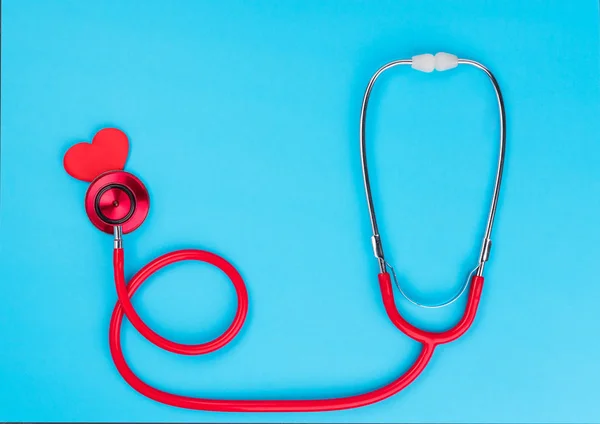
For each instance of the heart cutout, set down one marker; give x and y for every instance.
(107, 152)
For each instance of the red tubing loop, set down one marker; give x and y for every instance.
(124, 307)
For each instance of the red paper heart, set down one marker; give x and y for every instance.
(107, 152)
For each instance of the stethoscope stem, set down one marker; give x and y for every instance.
(118, 232)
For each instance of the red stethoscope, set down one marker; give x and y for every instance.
(117, 202)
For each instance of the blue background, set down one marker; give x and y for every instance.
(243, 122)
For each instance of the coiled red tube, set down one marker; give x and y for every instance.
(124, 307)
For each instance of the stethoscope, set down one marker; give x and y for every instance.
(117, 202)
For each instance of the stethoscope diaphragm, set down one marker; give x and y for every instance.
(117, 198)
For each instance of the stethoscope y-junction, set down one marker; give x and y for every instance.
(117, 202)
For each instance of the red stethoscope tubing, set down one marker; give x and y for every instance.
(124, 307)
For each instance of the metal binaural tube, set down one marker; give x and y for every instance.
(487, 241)
(376, 238)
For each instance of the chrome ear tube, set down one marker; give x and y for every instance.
(429, 63)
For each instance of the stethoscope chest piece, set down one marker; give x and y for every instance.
(117, 198)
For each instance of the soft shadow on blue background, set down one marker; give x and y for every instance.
(243, 122)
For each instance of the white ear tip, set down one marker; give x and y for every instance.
(423, 62)
(445, 61)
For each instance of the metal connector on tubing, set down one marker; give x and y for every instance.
(484, 255)
(118, 231)
(377, 248)
(485, 250)
(378, 251)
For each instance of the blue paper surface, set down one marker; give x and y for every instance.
(243, 124)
